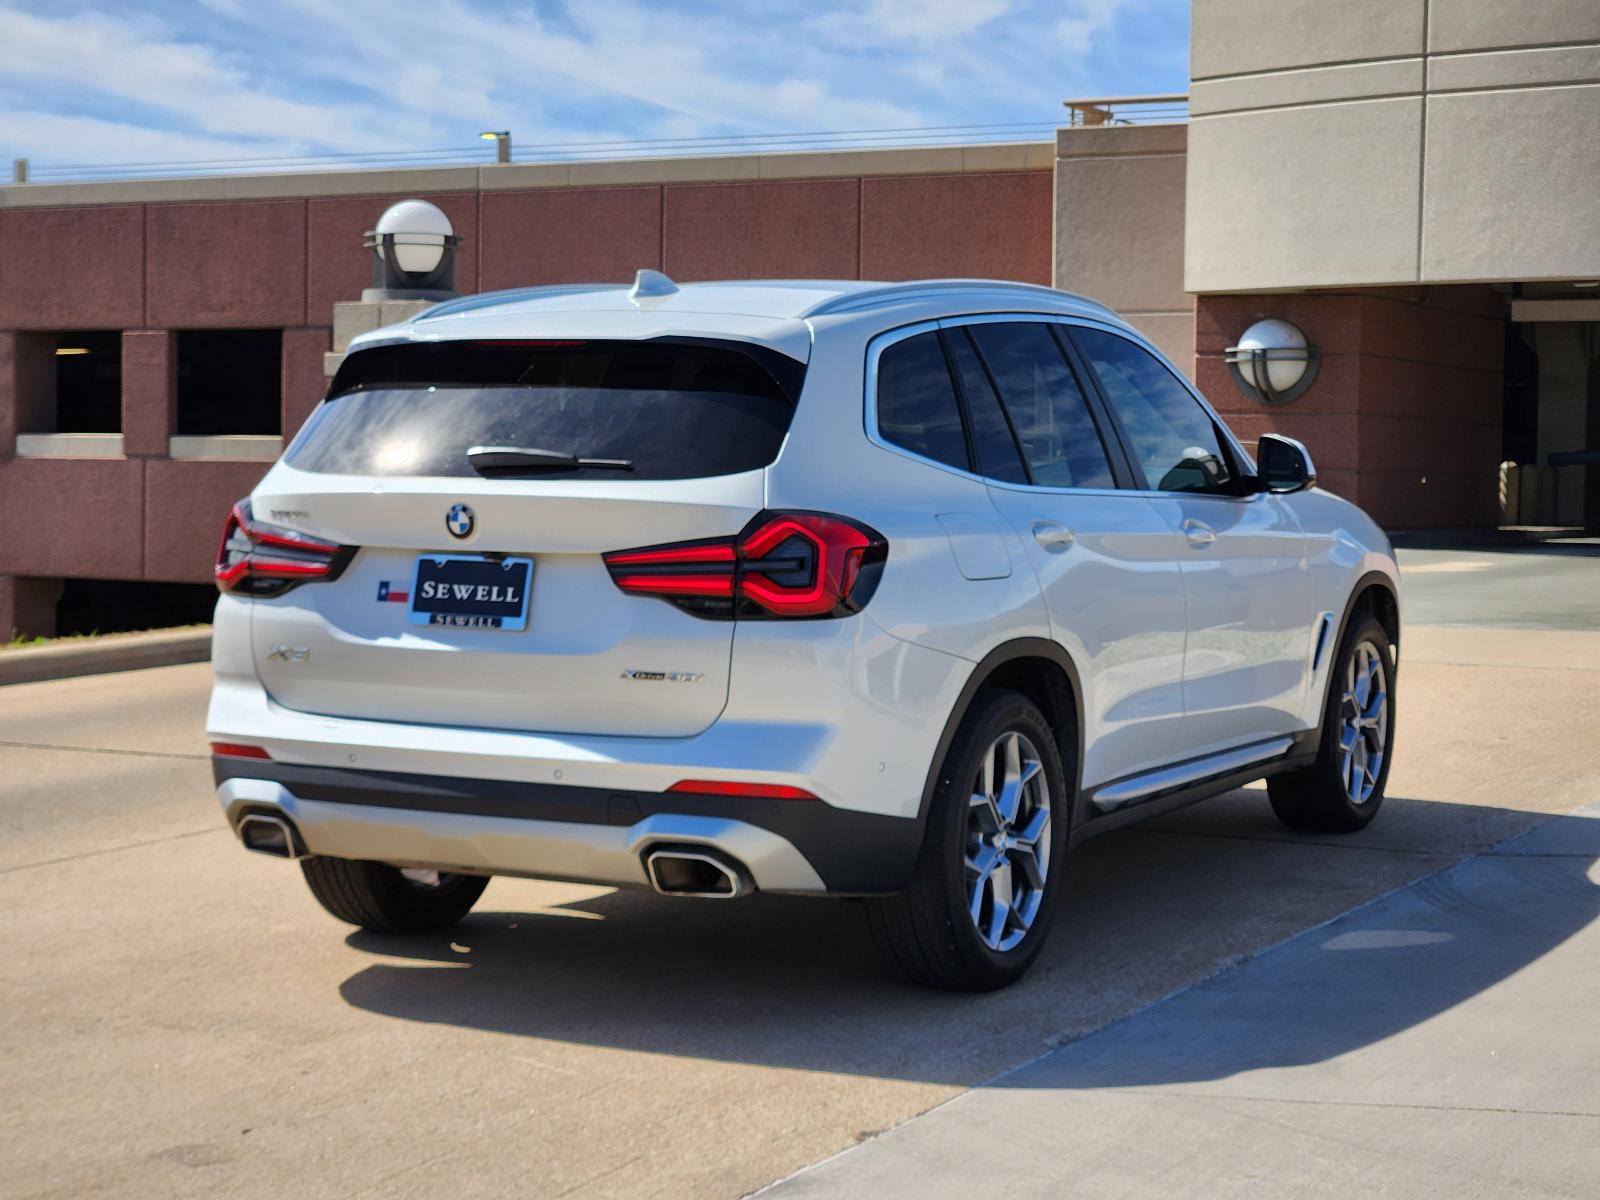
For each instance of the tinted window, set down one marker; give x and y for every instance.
(917, 407)
(998, 457)
(1172, 438)
(1046, 405)
(674, 409)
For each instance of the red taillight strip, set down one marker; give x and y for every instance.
(677, 585)
(704, 552)
(238, 750)
(750, 791)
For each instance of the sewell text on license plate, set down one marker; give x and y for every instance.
(468, 591)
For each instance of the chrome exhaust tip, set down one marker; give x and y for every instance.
(698, 872)
(266, 834)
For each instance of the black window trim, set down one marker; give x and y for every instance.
(966, 408)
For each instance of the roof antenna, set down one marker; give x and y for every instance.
(650, 285)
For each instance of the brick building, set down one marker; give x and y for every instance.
(1412, 184)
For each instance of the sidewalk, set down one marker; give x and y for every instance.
(1440, 1041)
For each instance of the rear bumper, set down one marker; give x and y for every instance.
(554, 831)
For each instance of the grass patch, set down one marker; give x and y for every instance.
(19, 642)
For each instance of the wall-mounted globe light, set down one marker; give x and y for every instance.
(413, 254)
(1273, 362)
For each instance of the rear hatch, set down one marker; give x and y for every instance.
(477, 596)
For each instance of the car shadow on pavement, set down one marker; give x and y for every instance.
(793, 982)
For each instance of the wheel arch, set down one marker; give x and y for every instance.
(1041, 670)
(1373, 593)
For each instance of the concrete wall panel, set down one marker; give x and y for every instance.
(1477, 25)
(1234, 36)
(1310, 85)
(149, 391)
(304, 383)
(185, 505)
(73, 517)
(569, 235)
(799, 229)
(1173, 334)
(1528, 210)
(1304, 197)
(1119, 221)
(72, 268)
(27, 386)
(988, 226)
(226, 266)
(338, 266)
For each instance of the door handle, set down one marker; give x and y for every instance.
(1053, 537)
(1198, 533)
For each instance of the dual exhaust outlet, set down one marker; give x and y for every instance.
(697, 871)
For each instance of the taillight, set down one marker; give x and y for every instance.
(784, 564)
(258, 559)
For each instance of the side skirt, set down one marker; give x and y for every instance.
(1301, 752)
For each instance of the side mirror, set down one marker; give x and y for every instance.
(1284, 465)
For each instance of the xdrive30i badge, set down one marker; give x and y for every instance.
(460, 521)
(663, 676)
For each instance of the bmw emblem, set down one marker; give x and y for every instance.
(461, 521)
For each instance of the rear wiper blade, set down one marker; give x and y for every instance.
(522, 460)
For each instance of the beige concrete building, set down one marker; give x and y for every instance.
(1416, 185)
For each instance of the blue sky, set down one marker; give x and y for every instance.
(197, 80)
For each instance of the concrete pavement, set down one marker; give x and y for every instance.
(178, 1018)
(1438, 1042)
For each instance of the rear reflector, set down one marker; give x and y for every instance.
(751, 791)
(238, 750)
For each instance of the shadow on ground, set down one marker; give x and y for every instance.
(789, 982)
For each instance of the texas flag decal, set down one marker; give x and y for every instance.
(393, 593)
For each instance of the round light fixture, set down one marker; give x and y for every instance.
(414, 250)
(1273, 362)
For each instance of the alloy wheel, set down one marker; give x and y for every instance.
(1007, 841)
(1363, 722)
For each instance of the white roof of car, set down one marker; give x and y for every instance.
(774, 311)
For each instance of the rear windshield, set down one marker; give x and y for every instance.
(674, 408)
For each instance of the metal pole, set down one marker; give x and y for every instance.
(502, 148)
(19, 170)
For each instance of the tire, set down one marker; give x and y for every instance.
(928, 931)
(378, 897)
(1342, 791)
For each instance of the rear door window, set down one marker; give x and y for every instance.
(1047, 407)
(670, 408)
(916, 401)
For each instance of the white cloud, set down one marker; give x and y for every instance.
(225, 78)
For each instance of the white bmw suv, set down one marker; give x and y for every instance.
(894, 591)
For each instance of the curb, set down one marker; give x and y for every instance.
(1482, 539)
(97, 656)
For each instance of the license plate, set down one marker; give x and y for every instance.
(465, 591)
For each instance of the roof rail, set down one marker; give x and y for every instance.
(449, 308)
(895, 293)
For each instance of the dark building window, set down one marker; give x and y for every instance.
(230, 381)
(88, 369)
(117, 606)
